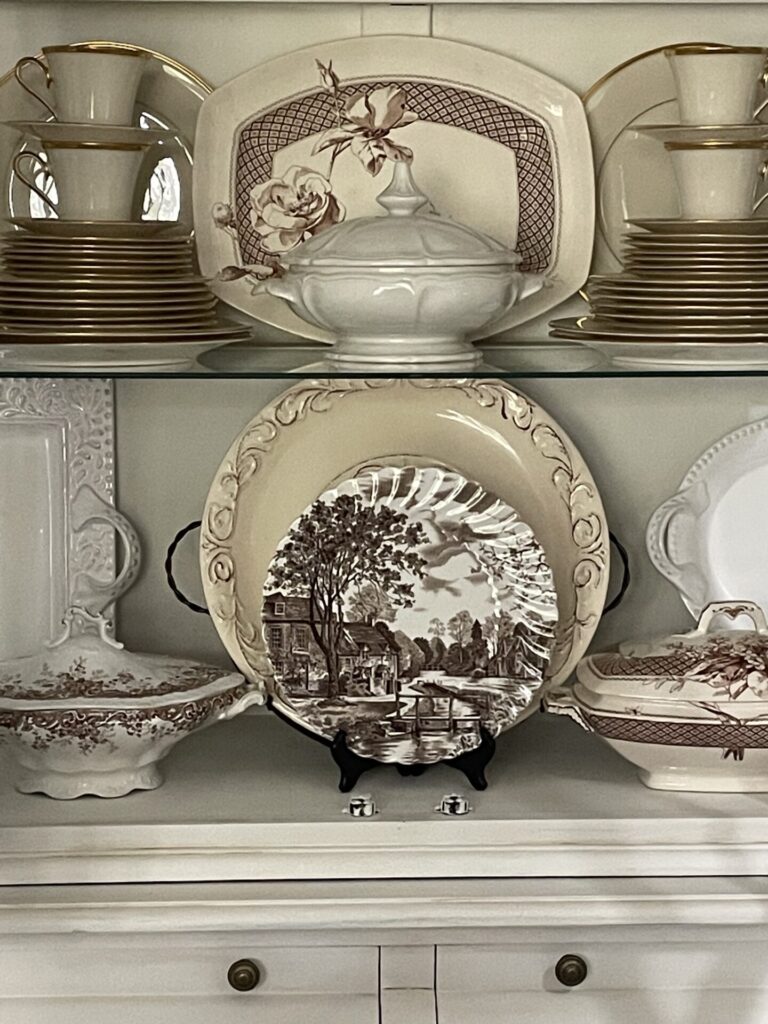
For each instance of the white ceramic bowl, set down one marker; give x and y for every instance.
(408, 287)
(85, 717)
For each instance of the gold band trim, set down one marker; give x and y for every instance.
(719, 144)
(132, 146)
(113, 49)
(692, 49)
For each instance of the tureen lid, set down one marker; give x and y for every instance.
(91, 670)
(704, 666)
(409, 236)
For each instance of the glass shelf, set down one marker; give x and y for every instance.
(521, 360)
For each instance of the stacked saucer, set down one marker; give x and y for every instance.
(695, 287)
(86, 283)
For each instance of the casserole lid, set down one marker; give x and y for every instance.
(728, 668)
(94, 671)
(411, 235)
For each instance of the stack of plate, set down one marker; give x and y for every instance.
(685, 285)
(130, 296)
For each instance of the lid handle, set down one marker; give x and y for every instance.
(402, 197)
(733, 610)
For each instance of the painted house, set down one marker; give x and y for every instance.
(368, 655)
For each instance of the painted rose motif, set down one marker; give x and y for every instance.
(286, 211)
(365, 124)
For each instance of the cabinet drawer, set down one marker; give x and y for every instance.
(665, 982)
(183, 980)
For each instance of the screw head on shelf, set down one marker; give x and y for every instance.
(571, 970)
(243, 975)
(453, 804)
(361, 807)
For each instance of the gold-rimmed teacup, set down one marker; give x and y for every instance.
(719, 179)
(719, 84)
(94, 182)
(97, 85)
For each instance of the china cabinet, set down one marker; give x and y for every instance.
(242, 889)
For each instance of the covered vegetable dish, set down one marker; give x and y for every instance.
(410, 286)
(84, 716)
(690, 711)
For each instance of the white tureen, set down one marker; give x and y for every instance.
(690, 711)
(85, 716)
(410, 287)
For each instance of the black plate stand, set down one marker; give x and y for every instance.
(473, 762)
(351, 765)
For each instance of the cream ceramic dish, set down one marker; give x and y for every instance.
(287, 150)
(410, 287)
(691, 711)
(87, 717)
(323, 432)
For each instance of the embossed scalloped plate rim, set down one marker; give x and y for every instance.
(399, 58)
(319, 430)
(708, 537)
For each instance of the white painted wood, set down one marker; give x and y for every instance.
(404, 912)
(383, 19)
(407, 967)
(399, 1006)
(560, 804)
(664, 980)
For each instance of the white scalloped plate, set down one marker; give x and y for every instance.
(708, 538)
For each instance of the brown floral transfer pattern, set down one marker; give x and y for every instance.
(734, 668)
(78, 682)
(90, 728)
(371, 111)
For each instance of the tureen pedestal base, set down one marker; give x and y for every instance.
(434, 352)
(70, 785)
(692, 781)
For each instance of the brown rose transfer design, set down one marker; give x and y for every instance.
(89, 728)
(270, 215)
(77, 682)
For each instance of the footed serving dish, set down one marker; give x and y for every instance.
(690, 712)
(408, 287)
(84, 716)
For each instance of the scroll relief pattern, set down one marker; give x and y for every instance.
(568, 477)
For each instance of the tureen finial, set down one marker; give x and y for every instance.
(402, 197)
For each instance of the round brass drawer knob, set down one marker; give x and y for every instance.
(571, 970)
(243, 975)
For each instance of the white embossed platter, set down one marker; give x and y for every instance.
(169, 97)
(708, 538)
(57, 521)
(295, 146)
(429, 451)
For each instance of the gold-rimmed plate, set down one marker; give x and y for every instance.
(157, 333)
(586, 325)
(102, 134)
(675, 225)
(122, 229)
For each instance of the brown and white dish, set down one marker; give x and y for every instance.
(470, 565)
(690, 712)
(85, 716)
(295, 146)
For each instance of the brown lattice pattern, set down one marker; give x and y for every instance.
(681, 734)
(675, 663)
(275, 129)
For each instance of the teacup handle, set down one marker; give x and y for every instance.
(17, 71)
(763, 174)
(27, 154)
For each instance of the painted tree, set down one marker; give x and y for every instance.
(341, 546)
(499, 633)
(370, 604)
(460, 628)
(437, 627)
